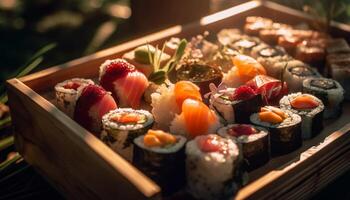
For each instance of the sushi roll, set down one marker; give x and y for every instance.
(329, 91)
(245, 44)
(92, 103)
(267, 51)
(270, 36)
(228, 36)
(245, 68)
(270, 89)
(139, 57)
(289, 43)
(310, 108)
(338, 66)
(121, 126)
(255, 24)
(170, 99)
(195, 119)
(211, 165)
(161, 156)
(254, 141)
(284, 128)
(235, 105)
(296, 73)
(312, 52)
(66, 94)
(125, 82)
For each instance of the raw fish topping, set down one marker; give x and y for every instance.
(116, 69)
(304, 102)
(72, 85)
(128, 118)
(212, 143)
(186, 90)
(241, 129)
(272, 115)
(158, 138)
(243, 93)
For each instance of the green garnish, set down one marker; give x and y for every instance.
(160, 74)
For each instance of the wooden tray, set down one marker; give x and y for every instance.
(82, 167)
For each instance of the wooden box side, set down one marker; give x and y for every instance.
(75, 160)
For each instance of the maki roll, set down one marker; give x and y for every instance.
(266, 51)
(255, 24)
(195, 119)
(92, 103)
(296, 73)
(66, 94)
(125, 82)
(310, 108)
(211, 165)
(245, 44)
(312, 52)
(161, 156)
(122, 126)
(329, 91)
(236, 105)
(339, 70)
(254, 141)
(228, 36)
(284, 128)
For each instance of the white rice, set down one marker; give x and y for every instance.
(243, 138)
(306, 115)
(66, 98)
(164, 106)
(334, 96)
(210, 173)
(224, 107)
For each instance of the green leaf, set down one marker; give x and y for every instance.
(6, 142)
(158, 77)
(3, 98)
(9, 162)
(38, 54)
(5, 122)
(30, 67)
(180, 49)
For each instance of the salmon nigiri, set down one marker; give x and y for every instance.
(124, 81)
(92, 103)
(195, 119)
(186, 90)
(245, 68)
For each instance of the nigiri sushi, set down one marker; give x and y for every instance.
(93, 102)
(195, 119)
(125, 82)
(245, 68)
(171, 99)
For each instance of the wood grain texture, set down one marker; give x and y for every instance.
(73, 158)
(81, 166)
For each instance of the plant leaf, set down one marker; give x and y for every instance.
(31, 66)
(6, 142)
(34, 58)
(158, 77)
(3, 98)
(5, 122)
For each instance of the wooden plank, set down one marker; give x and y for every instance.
(68, 154)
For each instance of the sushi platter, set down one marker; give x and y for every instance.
(247, 103)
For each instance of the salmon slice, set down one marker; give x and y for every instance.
(304, 102)
(198, 117)
(184, 90)
(248, 67)
(271, 117)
